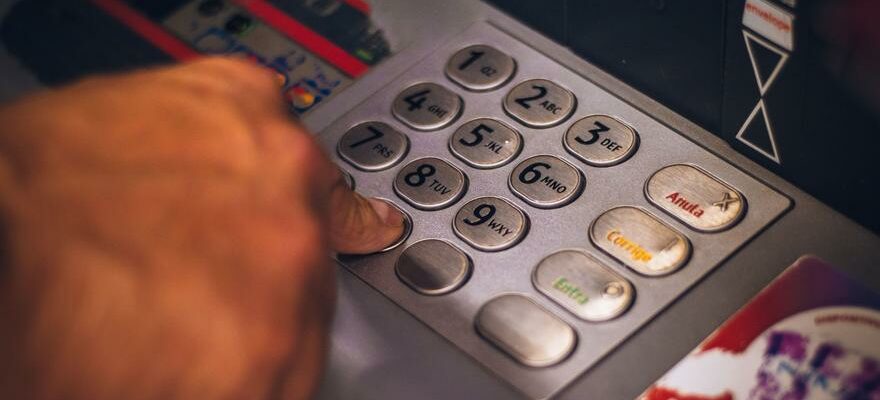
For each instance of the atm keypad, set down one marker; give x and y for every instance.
(549, 217)
(427, 106)
(480, 68)
(430, 183)
(539, 103)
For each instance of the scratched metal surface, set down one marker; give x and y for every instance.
(509, 271)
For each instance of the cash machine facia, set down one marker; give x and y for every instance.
(569, 236)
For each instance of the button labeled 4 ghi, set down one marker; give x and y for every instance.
(695, 197)
(601, 141)
(430, 183)
(427, 106)
(490, 224)
(546, 181)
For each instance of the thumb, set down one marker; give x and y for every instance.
(359, 225)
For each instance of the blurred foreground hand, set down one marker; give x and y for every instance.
(166, 235)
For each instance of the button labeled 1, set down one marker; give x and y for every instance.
(539, 103)
(490, 224)
(546, 181)
(372, 146)
(430, 183)
(582, 284)
(601, 141)
(640, 241)
(485, 143)
(427, 106)
(480, 68)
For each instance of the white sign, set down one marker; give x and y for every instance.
(770, 21)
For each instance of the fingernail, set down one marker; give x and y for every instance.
(389, 214)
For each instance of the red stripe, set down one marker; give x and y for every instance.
(306, 37)
(359, 5)
(147, 29)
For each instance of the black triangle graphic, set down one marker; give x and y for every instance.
(756, 133)
(766, 60)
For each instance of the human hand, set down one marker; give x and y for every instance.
(167, 235)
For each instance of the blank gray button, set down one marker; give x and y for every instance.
(640, 241)
(485, 143)
(372, 146)
(539, 103)
(427, 106)
(525, 330)
(546, 181)
(430, 183)
(695, 197)
(601, 141)
(480, 68)
(433, 267)
(583, 285)
(490, 224)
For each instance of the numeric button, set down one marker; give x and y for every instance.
(372, 146)
(427, 106)
(601, 141)
(430, 183)
(539, 103)
(485, 143)
(480, 68)
(546, 181)
(490, 224)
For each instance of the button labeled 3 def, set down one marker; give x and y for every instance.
(640, 241)
(695, 197)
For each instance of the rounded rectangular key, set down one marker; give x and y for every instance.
(526, 331)
(480, 68)
(372, 146)
(583, 285)
(485, 143)
(430, 183)
(640, 241)
(546, 181)
(601, 141)
(695, 198)
(427, 106)
(539, 103)
(490, 224)
(433, 267)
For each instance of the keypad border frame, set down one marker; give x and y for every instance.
(454, 320)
